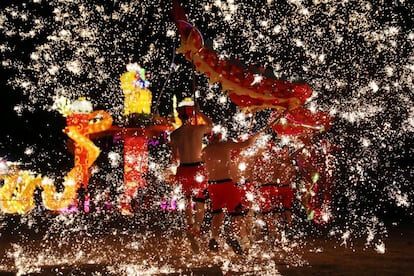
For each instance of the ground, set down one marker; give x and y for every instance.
(153, 244)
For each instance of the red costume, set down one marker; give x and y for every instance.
(247, 188)
(192, 177)
(273, 197)
(224, 193)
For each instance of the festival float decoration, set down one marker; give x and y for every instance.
(81, 122)
(139, 128)
(16, 194)
(137, 96)
(137, 108)
(251, 92)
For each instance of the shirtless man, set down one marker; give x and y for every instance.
(186, 146)
(274, 175)
(223, 191)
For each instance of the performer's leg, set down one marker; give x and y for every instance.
(199, 211)
(189, 212)
(216, 223)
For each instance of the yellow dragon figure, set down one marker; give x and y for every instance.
(98, 121)
(16, 194)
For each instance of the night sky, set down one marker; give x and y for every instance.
(356, 55)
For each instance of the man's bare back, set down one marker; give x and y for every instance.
(217, 157)
(186, 142)
(243, 164)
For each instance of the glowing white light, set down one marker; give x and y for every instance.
(305, 11)
(380, 248)
(170, 33)
(262, 141)
(181, 205)
(4, 169)
(240, 116)
(250, 196)
(47, 181)
(70, 182)
(242, 166)
(257, 79)
(260, 222)
(28, 151)
(285, 140)
(277, 29)
(365, 142)
(133, 67)
(244, 136)
(313, 107)
(232, 6)
(74, 66)
(177, 190)
(94, 169)
(263, 23)
(401, 200)
(326, 216)
(64, 33)
(81, 106)
(199, 178)
(53, 70)
(345, 237)
(374, 86)
(321, 58)
(173, 169)
(223, 99)
(228, 17)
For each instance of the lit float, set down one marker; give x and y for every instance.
(83, 126)
(17, 192)
(139, 127)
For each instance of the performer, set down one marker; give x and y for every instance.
(222, 190)
(186, 146)
(81, 198)
(242, 166)
(275, 175)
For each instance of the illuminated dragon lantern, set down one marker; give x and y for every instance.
(249, 91)
(16, 194)
(253, 92)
